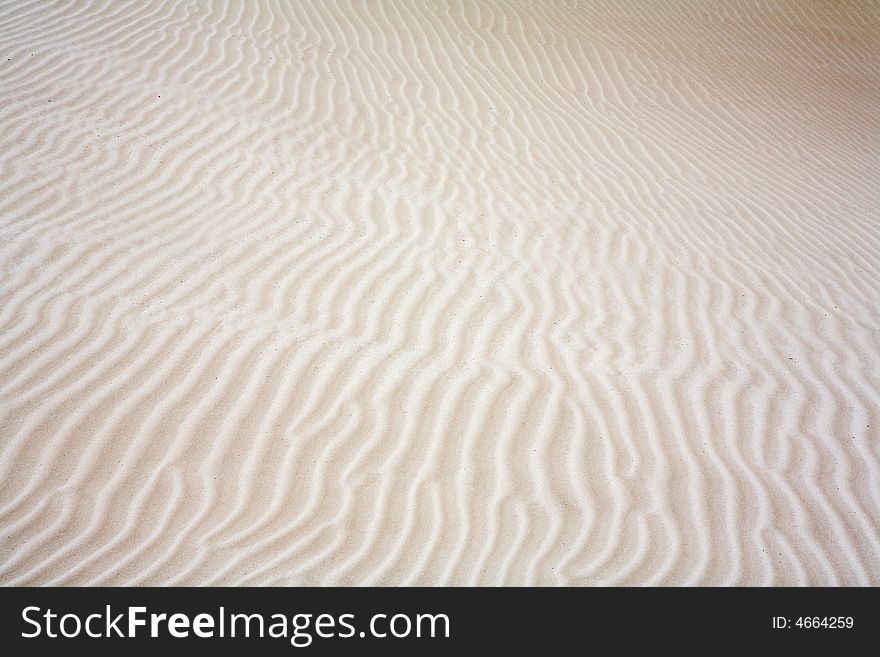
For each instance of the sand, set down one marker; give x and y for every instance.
(421, 293)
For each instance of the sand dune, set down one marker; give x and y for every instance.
(439, 293)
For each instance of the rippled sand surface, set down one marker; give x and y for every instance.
(439, 292)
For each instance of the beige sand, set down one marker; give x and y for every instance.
(440, 293)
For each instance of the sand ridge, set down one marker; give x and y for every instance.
(439, 293)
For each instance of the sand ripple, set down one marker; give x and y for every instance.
(439, 293)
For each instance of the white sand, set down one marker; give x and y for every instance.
(439, 293)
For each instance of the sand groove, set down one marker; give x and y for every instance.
(439, 293)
